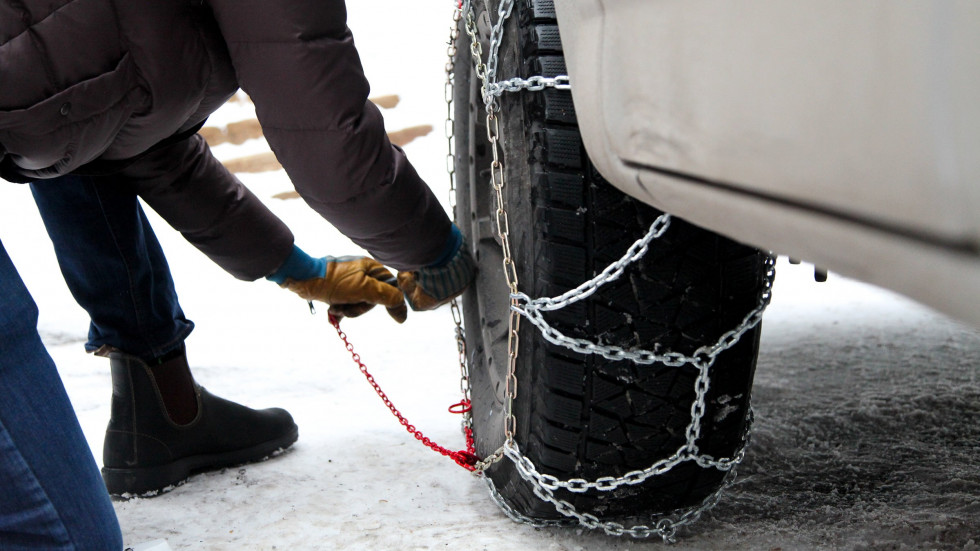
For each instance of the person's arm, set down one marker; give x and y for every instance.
(297, 61)
(194, 193)
(215, 212)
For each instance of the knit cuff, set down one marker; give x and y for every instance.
(299, 266)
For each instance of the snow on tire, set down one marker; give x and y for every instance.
(582, 416)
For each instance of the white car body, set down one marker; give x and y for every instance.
(842, 132)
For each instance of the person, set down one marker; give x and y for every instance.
(106, 97)
(162, 424)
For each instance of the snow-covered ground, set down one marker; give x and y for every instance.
(868, 405)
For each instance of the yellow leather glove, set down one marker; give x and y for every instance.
(352, 285)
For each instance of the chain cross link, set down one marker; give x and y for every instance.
(533, 84)
(611, 273)
(666, 524)
(532, 309)
(504, 9)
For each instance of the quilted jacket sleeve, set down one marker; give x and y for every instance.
(297, 61)
(211, 208)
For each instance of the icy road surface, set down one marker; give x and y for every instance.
(868, 406)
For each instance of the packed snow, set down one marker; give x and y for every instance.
(868, 405)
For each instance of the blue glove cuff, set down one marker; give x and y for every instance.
(299, 266)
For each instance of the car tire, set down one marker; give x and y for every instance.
(577, 415)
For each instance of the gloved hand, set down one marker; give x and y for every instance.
(430, 287)
(352, 285)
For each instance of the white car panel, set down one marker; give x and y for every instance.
(847, 132)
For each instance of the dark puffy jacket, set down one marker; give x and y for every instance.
(108, 86)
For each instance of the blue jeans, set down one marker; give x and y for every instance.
(113, 264)
(51, 493)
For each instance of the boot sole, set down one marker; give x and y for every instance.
(149, 481)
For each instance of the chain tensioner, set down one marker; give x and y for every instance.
(464, 458)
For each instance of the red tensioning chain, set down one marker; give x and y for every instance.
(464, 458)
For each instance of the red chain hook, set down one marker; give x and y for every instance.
(464, 458)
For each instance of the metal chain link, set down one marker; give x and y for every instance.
(533, 84)
(611, 273)
(666, 524)
(521, 305)
(608, 483)
(532, 309)
(498, 180)
(450, 130)
(516, 515)
(504, 9)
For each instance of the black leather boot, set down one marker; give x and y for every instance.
(164, 426)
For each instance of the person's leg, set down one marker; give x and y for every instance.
(163, 425)
(51, 495)
(116, 270)
(113, 265)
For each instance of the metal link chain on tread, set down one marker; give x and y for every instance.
(533, 84)
(665, 526)
(544, 485)
(702, 357)
(516, 515)
(632, 478)
(504, 9)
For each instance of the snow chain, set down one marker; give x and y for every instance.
(544, 485)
